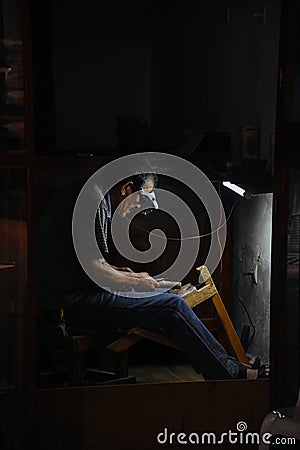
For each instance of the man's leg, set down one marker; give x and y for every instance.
(168, 311)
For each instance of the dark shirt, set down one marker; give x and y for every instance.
(61, 279)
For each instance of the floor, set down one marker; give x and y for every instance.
(170, 373)
(150, 362)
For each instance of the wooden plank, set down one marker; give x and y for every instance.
(6, 266)
(161, 338)
(129, 417)
(230, 330)
(201, 295)
(123, 343)
(225, 319)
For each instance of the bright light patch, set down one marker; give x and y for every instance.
(234, 188)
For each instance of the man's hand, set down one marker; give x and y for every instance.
(120, 280)
(145, 283)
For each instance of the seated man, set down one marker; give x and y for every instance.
(63, 283)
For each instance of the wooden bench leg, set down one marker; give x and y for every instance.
(121, 364)
(79, 371)
(78, 368)
(224, 317)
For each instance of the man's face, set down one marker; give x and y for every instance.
(149, 186)
(129, 202)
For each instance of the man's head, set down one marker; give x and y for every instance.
(130, 192)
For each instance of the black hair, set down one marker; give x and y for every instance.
(140, 181)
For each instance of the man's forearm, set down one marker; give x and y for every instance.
(109, 276)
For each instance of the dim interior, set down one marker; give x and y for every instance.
(213, 83)
(146, 77)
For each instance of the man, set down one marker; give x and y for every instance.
(63, 283)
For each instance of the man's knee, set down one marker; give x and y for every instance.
(176, 302)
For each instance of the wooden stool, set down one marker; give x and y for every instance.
(75, 345)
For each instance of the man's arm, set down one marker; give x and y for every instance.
(109, 276)
(121, 269)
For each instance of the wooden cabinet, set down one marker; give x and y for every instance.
(12, 104)
(16, 292)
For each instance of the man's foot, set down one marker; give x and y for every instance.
(255, 363)
(263, 371)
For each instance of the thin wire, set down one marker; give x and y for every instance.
(247, 313)
(190, 237)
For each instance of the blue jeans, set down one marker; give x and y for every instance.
(99, 309)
